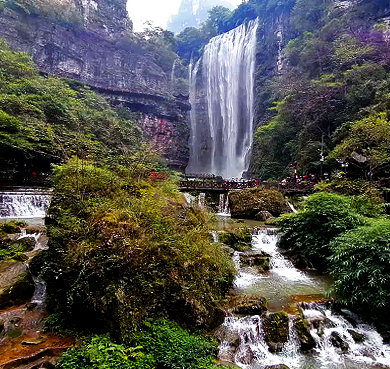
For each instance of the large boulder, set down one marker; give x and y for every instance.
(259, 260)
(250, 202)
(249, 305)
(16, 284)
(276, 328)
(239, 239)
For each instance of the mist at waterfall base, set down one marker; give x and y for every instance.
(245, 343)
(222, 146)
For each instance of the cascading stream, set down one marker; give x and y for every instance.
(228, 73)
(341, 339)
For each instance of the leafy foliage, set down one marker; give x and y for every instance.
(48, 120)
(360, 264)
(175, 348)
(367, 144)
(324, 216)
(101, 353)
(335, 72)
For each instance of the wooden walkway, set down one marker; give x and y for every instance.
(208, 185)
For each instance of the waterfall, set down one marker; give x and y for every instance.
(173, 73)
(195, 162)
(40, 291)
(223, 206)
(223, 147)
(27, 203)
(202, 200)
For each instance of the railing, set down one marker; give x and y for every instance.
(214, 185)
(240, 185)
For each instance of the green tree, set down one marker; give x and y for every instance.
(367, 144)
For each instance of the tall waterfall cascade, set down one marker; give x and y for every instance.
(223, 147)
(24, 203)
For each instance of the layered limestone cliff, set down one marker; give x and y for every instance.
(91, 42)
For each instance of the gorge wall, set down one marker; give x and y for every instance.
(91, 41)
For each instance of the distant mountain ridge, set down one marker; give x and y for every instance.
(192, 13)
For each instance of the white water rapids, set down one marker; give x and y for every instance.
(341, 339)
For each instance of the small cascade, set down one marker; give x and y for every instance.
(343, 340)
(252, 350)
(202, 200)
(279, 264)
(173, 72)
(214, 235)
(292, 208)
(223, 206)
(40, 291)
(24, 204)
(190, 200)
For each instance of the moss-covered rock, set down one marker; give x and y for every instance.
(278, 366)
(259, 260)
(298, 259)
(276, 330)
(249, 305)
(357, 337)
(305, 338)
(237, 238)
(17, 289)
(247, 203)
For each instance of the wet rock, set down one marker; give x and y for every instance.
(260, 260)
(337, 341)
(357, 337)
(1, 325)
(24, 244)
(239, 239)
(245, 356)
(276, 330)
(250, 305)
(279, 366)
(20, 257)
(16, 320)
(18, 289)
(230, 251)
(263, 215)
(297, 258)
(31, 305)
(305, 338)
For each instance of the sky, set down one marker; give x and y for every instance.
(156, 11)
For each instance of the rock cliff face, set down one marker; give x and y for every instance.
(95, 48)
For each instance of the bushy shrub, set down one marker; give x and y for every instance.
(324, 216)
(100, 353)
(123, 249)
(174, 348)
(360, 264)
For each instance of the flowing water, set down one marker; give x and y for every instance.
(228, 74)
(223, 206)
(283, 280)
(341, 339)
(24, 203)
